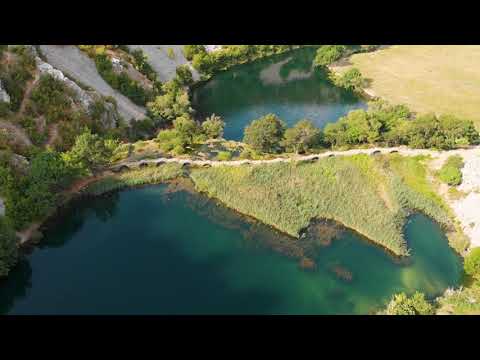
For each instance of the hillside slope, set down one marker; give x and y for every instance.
(73, 62)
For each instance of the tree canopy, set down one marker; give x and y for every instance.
(265, 134)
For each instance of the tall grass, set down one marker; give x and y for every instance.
(149, 175)
(372, 195)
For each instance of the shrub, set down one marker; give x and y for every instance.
(401, 304)
(224, 156)
(213, 127)
(451, 172)
(472, 263)
(184, 75)
(328, 54)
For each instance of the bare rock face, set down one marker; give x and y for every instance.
(4, 97)
(85, 98)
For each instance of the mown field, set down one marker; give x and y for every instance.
(372, 195)
(427, 78)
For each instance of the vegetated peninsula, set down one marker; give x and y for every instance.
(372, 195)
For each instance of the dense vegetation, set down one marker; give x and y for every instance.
(15, 75)
(209, 64)
(186, 132)
(33, 195)
(401, 304)
(289, 196)
(382, 124)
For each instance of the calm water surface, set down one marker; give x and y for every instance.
(151, 251)
(285, 85)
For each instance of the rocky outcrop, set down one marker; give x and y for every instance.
(4, 97)
(72, 61)
(86, 99)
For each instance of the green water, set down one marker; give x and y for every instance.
(284, 85)
(150, 251)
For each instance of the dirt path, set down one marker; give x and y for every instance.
(31, 84)
(52, 135)
(18, 133)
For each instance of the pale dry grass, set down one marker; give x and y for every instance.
(428, 78)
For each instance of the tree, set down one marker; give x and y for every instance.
(327, 54)
(8, 248)
(472, 263)
(174, 103)
(184, 75)
(90, 153)
(191, 50)
(401, 304)
(213, 126)
(186, 129)
(351, 79)
(303, 136)
(265, 134)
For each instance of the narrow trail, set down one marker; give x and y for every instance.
(52, 135)
(440, 155)
(18, 132)
(31, 84)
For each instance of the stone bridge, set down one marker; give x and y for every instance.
(405, 151)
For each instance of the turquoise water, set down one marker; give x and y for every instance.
(284, 85)
(151, 251)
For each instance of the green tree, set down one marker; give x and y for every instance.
(327, 54)
(301, 137)
(186, 129)
(184, 75)
(174, 103)
(472, 263)
(265, 134)
(401, 304)
(213, 127)
(191, 50)
(351, 79)
(90, 153)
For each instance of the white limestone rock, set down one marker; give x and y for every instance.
(4, 97)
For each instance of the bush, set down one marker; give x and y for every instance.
(451, 171)
(213, 127)
(401, 304)
(328, 54)
(472, 263)
(224, 156)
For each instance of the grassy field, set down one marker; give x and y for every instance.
(427, 78)
(288, 196)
